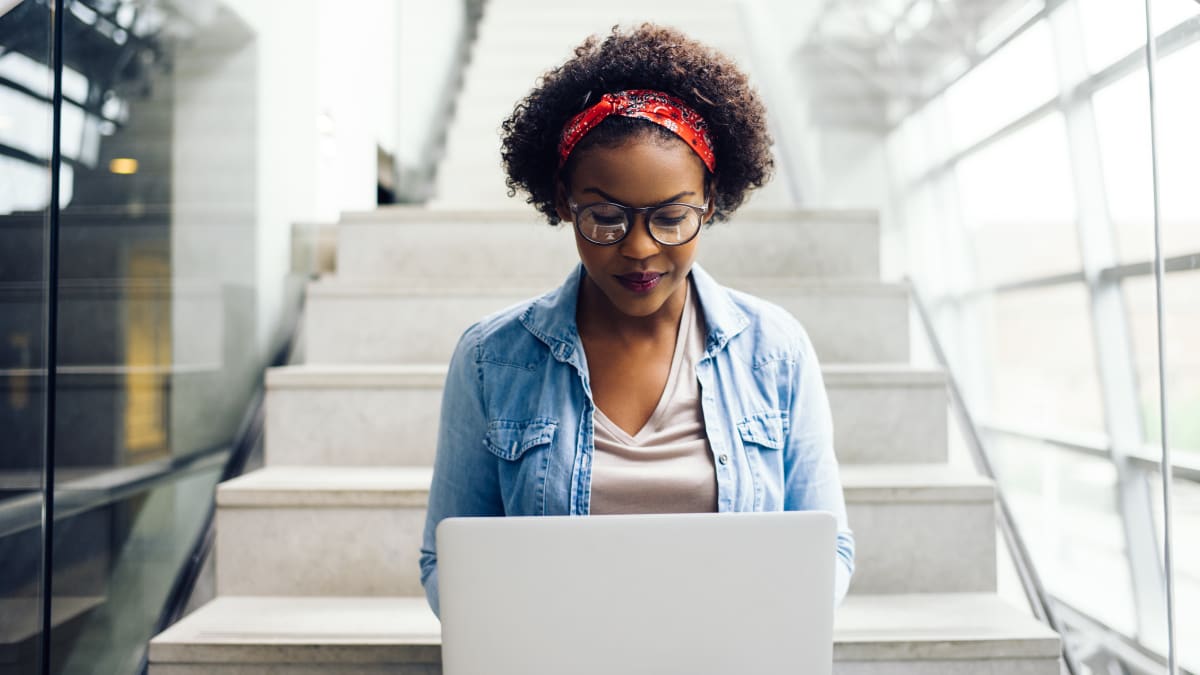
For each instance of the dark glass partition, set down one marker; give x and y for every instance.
(26, 90)
(159, 327)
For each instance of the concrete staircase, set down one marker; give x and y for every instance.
(316, 554)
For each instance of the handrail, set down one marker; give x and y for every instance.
(1035, 592)
(103, 488)
(1130, 652)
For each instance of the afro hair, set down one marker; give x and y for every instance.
(646, 57)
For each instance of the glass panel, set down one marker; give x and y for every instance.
(163, 316)
(1020, 215)
(1015, 80)
(1170, 13)
(25, 138)
(1039, 349)
(1123, 128)
(1113, 30)
(1122, 123)
(117, 562)
(1178, 100)
(1182, 323)
(1185, 547)
(1065, 507)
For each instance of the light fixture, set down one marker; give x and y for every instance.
(123, 165)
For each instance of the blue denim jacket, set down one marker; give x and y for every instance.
(516, 435)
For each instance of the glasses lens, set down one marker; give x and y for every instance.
(602, 223)
(674, 223)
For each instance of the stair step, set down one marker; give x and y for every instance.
(888, 413)
(316, 530)
(321, 531)
(387, 414)
(920, 528)
(357, 322)
(453, 248)
(929, 634)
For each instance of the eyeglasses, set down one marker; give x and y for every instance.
(606, 223)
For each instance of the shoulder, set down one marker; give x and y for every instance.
(501, 337)
(770, 332)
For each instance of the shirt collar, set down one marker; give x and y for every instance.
(551, 318)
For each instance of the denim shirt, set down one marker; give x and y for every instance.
(516, 430)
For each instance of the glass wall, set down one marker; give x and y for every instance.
(207, 147)
(1035, 169)
(158, 302)
(26, 127)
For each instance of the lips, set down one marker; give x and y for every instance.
(640, 282)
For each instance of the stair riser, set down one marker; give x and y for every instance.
(897, 424)
(954, 667)
(470, 255)
(902, 547)
(865, 327)
(398, 426)
(975, 667)
(923, 547)
(319, 550)
(352, 427)
(314, 668)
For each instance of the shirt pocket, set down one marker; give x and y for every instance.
(523, 448)
(510, 440)
(762, 436)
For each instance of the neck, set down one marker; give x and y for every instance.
(596, 316)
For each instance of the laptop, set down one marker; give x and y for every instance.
(694, 594)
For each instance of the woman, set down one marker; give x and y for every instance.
(640, 385)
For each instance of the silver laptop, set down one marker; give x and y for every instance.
(693, 594)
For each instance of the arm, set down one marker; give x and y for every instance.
(464, 474)
(810, 465)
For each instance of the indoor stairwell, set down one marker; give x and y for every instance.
(316, 554)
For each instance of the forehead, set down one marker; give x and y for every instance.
(639, 171)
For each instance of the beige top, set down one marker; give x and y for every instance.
(667, 467)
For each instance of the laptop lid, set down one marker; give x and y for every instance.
(688, 593)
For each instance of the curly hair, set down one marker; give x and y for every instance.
(646, 57)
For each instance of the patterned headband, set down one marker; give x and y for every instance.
(662, 109)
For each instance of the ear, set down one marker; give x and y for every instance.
(560, 203)
(712, 202)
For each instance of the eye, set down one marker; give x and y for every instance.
(604, 215)
(673, 216)
(609, 220)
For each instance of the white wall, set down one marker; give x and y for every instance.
(334, 80)
(326, 97)
(426, 46)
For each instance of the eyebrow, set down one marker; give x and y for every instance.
(610, 198)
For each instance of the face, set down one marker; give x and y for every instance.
(637, 277)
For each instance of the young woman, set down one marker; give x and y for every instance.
(640, 385)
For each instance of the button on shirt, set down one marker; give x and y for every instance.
(517, 433)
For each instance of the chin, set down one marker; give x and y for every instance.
(638, 306)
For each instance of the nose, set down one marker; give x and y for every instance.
(638, 244)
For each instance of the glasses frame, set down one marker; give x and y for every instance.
(630, 218)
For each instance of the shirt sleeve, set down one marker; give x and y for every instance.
(465, 480)
(811, 480)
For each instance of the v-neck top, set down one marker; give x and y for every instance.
(667, 466)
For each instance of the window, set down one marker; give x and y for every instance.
(1018, 204)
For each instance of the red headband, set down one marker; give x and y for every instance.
(662, 109)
